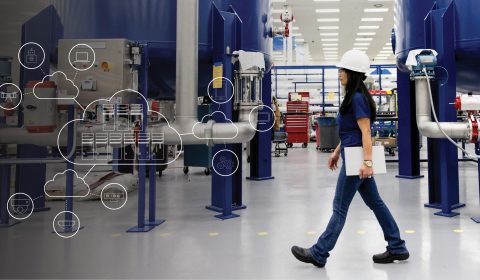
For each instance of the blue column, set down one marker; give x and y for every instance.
(408, 138)
(443, 181)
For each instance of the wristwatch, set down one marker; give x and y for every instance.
(368, 163)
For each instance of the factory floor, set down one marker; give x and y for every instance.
(291, 210)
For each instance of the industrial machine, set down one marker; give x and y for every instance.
(448, 27)
(101, 90)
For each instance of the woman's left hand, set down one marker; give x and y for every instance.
(365, 172)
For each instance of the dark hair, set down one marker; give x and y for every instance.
(355, 84)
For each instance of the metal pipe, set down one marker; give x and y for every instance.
(187, 88)
(187, 65)
(429, 128)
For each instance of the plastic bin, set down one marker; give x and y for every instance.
(327, 133)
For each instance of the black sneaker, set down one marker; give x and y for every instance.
(304, 255)
(388, 257)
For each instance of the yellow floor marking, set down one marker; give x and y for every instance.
(262, 233)
(361, 232)
(212, 234)
(458, 230)
(409, 231)
(311, 232)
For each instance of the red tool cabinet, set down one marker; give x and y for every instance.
(297, 123)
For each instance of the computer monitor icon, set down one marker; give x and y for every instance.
(81, 57)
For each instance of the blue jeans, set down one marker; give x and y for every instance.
(347, 186)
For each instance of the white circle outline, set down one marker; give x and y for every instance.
(208, 90)
(274, 118)
(70, 61)
(21, 96)
(8, 210)
(20, 50)
(118, 208)
(54, 229)
(213, 165)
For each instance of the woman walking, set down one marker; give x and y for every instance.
(357, 112)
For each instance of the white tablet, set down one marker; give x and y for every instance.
(354, 160)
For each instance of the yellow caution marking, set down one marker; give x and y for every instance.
(213, 234)
(311, 232)
(262, 233)
(116, 235)
(458, 230)
(361, 232)
(409, 231)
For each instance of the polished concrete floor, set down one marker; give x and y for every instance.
(292, 209)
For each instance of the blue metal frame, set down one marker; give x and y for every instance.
(443, 180)
(69, 175)
(142, 224)
(226, 190)
(309, 67)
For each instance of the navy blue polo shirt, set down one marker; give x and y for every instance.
(348, 129)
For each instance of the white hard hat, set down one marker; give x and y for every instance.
(355, 60)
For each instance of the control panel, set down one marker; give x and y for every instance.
(98, 68)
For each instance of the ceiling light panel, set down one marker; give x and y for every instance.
(328, 27)
(322, 11)
(372, 19)
(328, 19)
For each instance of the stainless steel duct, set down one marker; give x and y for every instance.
(429, 128)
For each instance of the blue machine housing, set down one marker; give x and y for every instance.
(154, 21)
(410, 33)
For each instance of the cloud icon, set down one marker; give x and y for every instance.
(221, 114)
(66, 88)
(118, 130)
(58, 183)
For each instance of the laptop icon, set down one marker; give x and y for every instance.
(81, 57)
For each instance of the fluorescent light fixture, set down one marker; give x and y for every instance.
(276, 11)
(388, 44)
(363, 39)
(329, 34)
(299, 40)
(375, 10)
(330, 49)
(329, 39)
(369, 27)
(330, 44)
(321, 11)
(360, 48)
(328, 28)
(331, 52)
(326, 0)
(277, 20)
(372, 19)
(366, 34)
(361, 44)
(328, 19)
(297, 34)
(294, 28)
(388, 48)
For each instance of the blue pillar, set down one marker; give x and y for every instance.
(443, 183)
(408, 137)
(141, 226)
(261, 145)
(226, 190)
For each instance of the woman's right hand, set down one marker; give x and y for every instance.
(333, 160)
